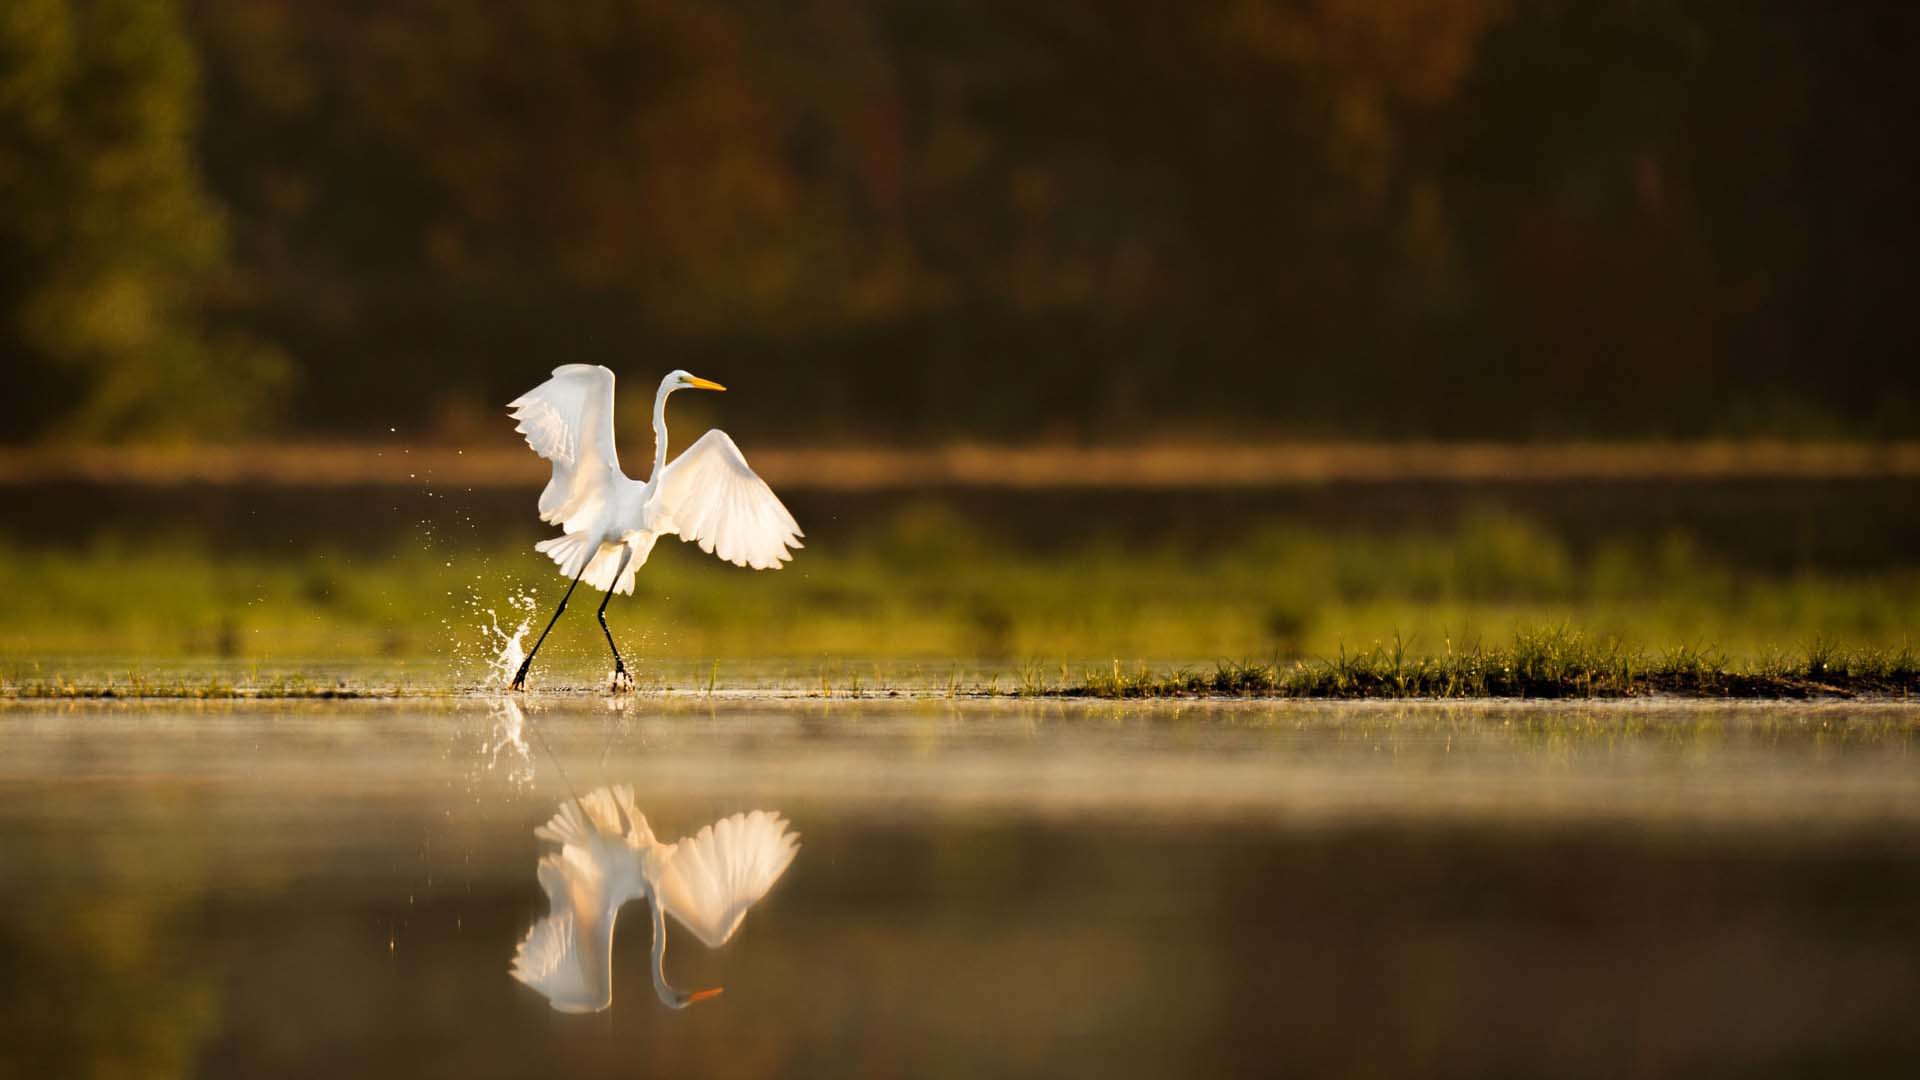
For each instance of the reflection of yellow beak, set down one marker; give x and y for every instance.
(699, 383)
(702, 995)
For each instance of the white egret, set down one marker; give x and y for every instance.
(608, 855)
(709, 495)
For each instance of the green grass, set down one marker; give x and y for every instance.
(1555, 663)
(1546, 664)
(141, 686)
(931, 586)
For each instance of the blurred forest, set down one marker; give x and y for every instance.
(907, 220)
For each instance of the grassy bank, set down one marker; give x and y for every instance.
(1545, 664)
(1556, 663)
(932, 584)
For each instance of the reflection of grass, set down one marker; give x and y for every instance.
(934, 585)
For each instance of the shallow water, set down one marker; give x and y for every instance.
(983, 888)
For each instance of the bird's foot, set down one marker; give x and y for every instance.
(520, 677)
(619, 682)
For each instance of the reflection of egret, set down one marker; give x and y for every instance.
(709, 495)
(608, 855)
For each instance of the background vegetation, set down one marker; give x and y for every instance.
(933, 221)
(934, 590)
(914, 220)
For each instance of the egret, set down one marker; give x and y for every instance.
(709, 495)
(608, 855)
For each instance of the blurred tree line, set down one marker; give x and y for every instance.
(910, 219)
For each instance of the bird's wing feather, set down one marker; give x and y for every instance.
(549, 961)
(568, 956)
(569, 421)
(714, 876)
(710, 495)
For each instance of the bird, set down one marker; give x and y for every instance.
(608, 855)
(609, 522)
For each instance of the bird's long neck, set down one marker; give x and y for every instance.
(668, 995)
(660, 431)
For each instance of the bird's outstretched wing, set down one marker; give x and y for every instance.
(569, 421)
(711, 496)
(568, 956)
(715, 875)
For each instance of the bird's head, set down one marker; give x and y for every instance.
(683, 998)
(687, 380)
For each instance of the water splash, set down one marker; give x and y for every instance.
(512, 653)
(506, 648)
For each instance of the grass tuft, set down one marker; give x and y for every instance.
(1556, 662)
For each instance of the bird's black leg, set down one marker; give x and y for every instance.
(520, 678)
(619, 665)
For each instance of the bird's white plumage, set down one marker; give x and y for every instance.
(712, 497)
(709, 495)
(608, 855)
(545, 961)
(568, 956)
(601, 816)
(569, 421)
(713, 877)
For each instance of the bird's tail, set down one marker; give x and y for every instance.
(573, 551)
(601, 571)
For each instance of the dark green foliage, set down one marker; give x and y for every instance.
(109, 248)
(928, 219)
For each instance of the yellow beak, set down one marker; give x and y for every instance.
(699, 383)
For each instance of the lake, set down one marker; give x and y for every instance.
(983, 887)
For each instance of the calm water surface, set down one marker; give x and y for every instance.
(324, 889)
